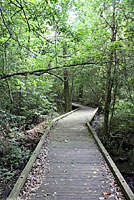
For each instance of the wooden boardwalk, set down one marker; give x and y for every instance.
(76, 167)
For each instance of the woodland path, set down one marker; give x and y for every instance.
(77, 170)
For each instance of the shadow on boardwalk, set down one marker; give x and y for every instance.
(76, 168)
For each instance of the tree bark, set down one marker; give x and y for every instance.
(107, 100)
(67, 97)
(81, 93)
(67, 94)
(109, 82)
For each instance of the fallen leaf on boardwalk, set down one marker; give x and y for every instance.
(65, 150)
(106, 193)
(82, 127)
(45, 195)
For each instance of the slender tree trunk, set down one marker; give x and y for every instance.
(115, 88)
(4, 58)
(56, 61)
(9, 92)
(107, 100)
(4, 66)
(67, 95)
(109, 81)
(81, 93)
(113, 104)
(71, 90)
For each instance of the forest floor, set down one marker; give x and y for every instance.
(70, 165)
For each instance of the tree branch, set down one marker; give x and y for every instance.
(22, 8)
(106, 20)
(55, 76)
(16, 4)
(3, 18)
(43, 37)
(4, 21)
(29, 28)
(49, 64)
(43, 71)
(15, 13)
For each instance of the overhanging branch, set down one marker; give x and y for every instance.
(57, 76)
(43, 71)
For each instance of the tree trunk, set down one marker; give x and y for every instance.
(81, 93)
(67, 97)
(109, 82)
(107, 100)
(67, 94)
(4, 68)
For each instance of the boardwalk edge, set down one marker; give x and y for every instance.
(24, 174)
(121, 181)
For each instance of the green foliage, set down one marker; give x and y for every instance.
(32, 36)
(124, 116)
(5, 116)
(124, 107)
(12, 157)
(115, 45)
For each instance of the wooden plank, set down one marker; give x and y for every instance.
(75, 166)
(21, 180)
(123, 184)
